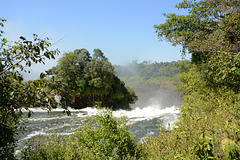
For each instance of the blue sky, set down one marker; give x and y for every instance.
(122, 29)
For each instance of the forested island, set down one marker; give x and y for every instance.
(83, 80)
(209, 122)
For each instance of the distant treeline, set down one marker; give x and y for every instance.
(147, 69)
(146, 73)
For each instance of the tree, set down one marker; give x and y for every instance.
(87, 80)
(14, 93)
(211, 33)
(99, 73)
(210, 26)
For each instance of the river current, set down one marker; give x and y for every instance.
(144, 121)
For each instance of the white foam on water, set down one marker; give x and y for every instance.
(89, 110)
(46, 119)
(135, 115)
(62, 126)
(44, 109)
(38, 133)
(62, 109)
(146, 113)
(33, 134)
(138, 114)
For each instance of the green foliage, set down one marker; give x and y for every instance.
(210, 26)
(102, 136)
(230, 149)
(86, 80)
(204, 148)
(223, 70)
(146, 74)
(16, 94)
(149, 70)
(209, 126)
(209, 118)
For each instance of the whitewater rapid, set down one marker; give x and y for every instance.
(41, 122)
(139, 114)
(143, 121)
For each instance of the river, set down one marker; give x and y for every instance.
(144, 121)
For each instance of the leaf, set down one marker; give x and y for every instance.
(22, 38)
(42, 75)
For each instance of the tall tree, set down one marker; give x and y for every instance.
(211, 33)
(70, 69)
(15, 94)
(210, 26)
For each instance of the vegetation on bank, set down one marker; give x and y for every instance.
(209, 125)
(14, 93)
